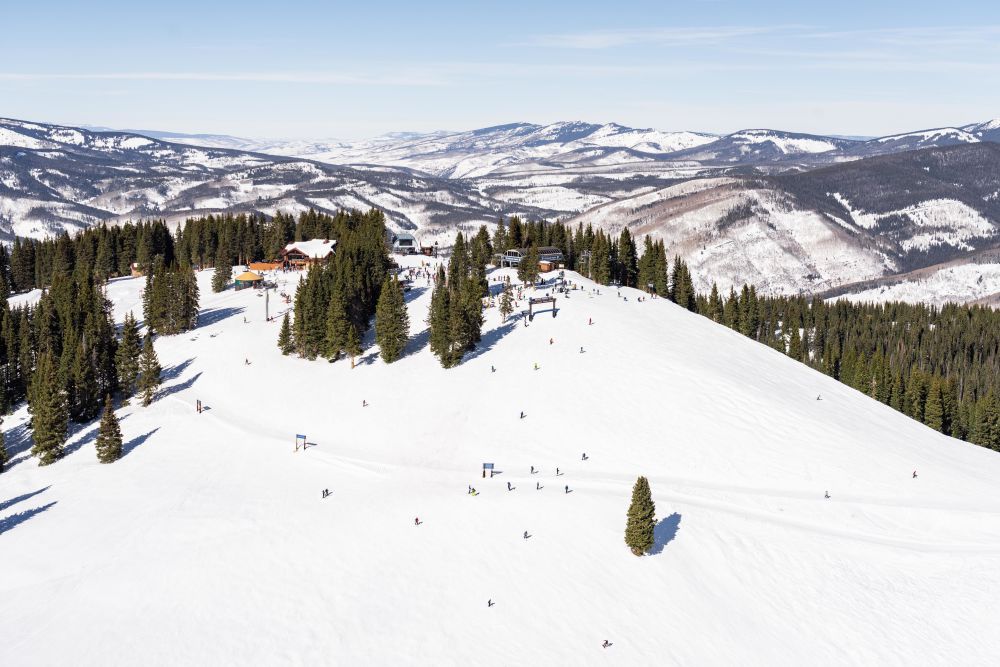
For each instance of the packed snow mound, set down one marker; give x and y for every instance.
(210, 541)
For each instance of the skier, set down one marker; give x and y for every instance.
(589, 321)
(470, 489)
(364, 403)
(532, 470)
(606, 644)
(508, 486)
(826, 494)
(581, 349)
(493, 369)
(914, 474)
(525, 534)
(489, 603)
(551, 340)
(538, 486)
(818, 397)
(522, 414)
(584, 457)
(567, 488)
(536, 365)
(557, 472)
(416, 521)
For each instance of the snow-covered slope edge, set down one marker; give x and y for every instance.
(209, 541)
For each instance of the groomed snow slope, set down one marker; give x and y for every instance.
(209, 542)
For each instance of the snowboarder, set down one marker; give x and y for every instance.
(914, 474)
(826, 494)
(818, 397)
(606, 644)
(246, 362)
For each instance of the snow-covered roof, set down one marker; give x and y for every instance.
(315, 249)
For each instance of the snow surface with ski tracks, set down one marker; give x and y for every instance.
(210, 543)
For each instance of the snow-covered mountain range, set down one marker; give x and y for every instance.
(789, 212)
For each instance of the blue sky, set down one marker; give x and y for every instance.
(351, 70)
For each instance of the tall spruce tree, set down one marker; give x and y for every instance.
(392, 322)
(352, 343)
(109, 435)
(506, 303)
(220, 277)
(440, 320)
(49, 411)
(641, 519)
(4, 458)
(285, 343)
(149, 369)
(127, 357)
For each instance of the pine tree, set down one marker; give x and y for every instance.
(4, 458)
(285, 343)
(109, 435)
(337, 324)
(149, 369)
(440, 320)
(220, 277)
(127, 357)
(641, 518)
(392, 322)
(934, 407)
(506, 303)
(49, 412)
(352, 343)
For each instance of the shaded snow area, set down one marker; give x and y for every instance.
(210, 543)
(954, 284)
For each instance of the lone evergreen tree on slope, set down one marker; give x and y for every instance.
(641, 519)
(149, 367)
(109, 436)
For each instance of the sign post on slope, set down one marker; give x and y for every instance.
(488, 466)
(300, 439)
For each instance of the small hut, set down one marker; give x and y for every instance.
(248, 279)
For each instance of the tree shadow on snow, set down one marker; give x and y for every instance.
(180, 386)
(413, 293)
(210, 316)
(174, 372)
(664, 532)
(24, 496)
(417, 343)
(19, 442)
(490, 340)
(137, 441)
(13, 520)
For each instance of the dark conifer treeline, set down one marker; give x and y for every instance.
(937, 365)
